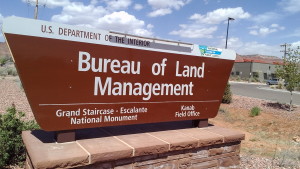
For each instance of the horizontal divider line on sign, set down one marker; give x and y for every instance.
(70, 104)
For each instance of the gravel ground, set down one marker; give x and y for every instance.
(257, 162)
(254, 162)
(11, 93)
(267, 106)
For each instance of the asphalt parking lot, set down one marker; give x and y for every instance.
(263, 91)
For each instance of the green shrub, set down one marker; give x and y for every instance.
(3, 60)
(280, 86)
(221, 110)
(12, 71)
(227, 97)
(255, 111)
(12, 149)
(255, 79)
(8, 71)
(3, 71)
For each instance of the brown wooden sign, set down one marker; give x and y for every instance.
(82, 78)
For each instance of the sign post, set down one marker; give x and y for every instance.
(78, 78)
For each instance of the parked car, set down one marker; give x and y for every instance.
(273, 81)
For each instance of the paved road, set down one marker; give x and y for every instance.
(262, 92)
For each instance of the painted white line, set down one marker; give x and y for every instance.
(72, 104)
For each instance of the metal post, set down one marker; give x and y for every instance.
(36, 11)
(227, 30)
(227, 33)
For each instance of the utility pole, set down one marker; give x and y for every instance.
(36, 11)
(285, 52)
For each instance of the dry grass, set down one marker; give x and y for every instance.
(270, 134)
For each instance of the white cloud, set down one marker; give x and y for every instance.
(206, 2)
(138, 7)
(219, 15)
(194, 31)
(277, 26)
(177, 4)
(295, 33)
(76, 13)
(201, 26)
(1, 21)
(266, 17)
(112, 5)
(253, 32)
(295, 44)
(264, 31)
(259, 48)
(250, 48)
(292, 6)
(142, 32)
(254, 27)
(94, 2)
(122, 21)
(232, 43)
(1, 18)
(49, 3)
(117, 4)
(160, 12)
(150, 26)
(164, 7)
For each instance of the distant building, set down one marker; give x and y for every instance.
(259, 67)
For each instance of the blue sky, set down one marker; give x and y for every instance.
(260, 26)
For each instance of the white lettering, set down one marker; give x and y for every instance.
(190, 71)
(137, 89)
(84, 61)
(98, 84)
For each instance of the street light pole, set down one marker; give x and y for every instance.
(36, 10)
(227, 30)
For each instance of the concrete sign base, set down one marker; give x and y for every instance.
(167, 145)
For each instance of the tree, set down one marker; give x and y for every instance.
(290, 71)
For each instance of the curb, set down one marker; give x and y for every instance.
(278, 90)
(252, 83)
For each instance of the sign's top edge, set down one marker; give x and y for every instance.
(45, 29)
